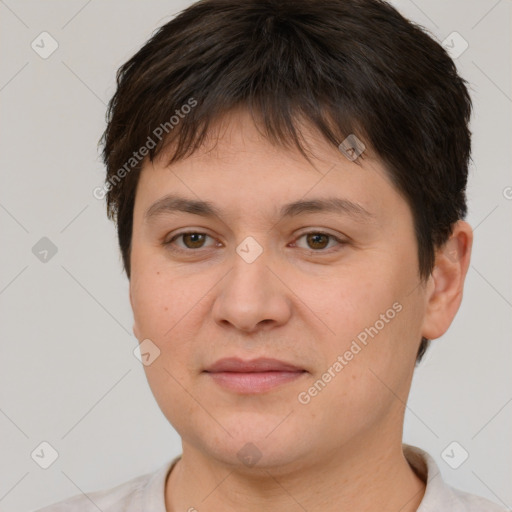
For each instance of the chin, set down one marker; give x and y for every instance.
(254, 443)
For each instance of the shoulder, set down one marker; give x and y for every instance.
(438, 494)
(120, 498)
(129, 496)
(472, 503)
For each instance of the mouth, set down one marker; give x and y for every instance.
(253, 376)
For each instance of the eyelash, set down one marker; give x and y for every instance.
(169, 244)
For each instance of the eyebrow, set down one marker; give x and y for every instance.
(171, 204)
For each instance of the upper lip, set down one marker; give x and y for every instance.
(262, 364)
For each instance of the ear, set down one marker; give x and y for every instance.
(445, 286)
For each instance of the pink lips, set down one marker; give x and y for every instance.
(253, 376)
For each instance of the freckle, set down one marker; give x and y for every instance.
(158, 273)
(166, 308)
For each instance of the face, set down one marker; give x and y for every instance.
(311, 265)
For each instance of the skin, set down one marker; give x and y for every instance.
(298, 302)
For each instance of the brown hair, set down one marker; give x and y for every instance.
(344, 66)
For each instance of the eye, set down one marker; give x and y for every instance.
(318, 241)
(191, 240)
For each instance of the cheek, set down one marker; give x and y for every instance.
(372, 367)
(170, 310)
(158, 303)
(161, 312)
(170, 390)
(372, 322)
(347, 304)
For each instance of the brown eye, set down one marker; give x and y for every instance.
(187, 242)
(317, 240)
(193, 240)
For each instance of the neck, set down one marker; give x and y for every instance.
(367, 477)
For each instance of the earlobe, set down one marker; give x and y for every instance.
(445, 295)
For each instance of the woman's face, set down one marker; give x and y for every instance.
(314, 267)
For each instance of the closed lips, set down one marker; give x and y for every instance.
(252, 366)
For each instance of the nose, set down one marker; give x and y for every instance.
(252, 296)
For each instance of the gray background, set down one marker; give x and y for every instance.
(67, 372)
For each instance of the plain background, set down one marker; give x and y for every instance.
(68, 375)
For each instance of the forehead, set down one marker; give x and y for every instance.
(238, 167)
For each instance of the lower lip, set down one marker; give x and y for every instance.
(254, 382)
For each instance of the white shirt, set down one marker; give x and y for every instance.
(146, 493)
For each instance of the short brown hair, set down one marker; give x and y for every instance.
(344, 66)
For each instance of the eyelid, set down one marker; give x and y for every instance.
(319, 231)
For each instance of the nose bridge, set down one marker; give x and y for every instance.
(251, 295)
